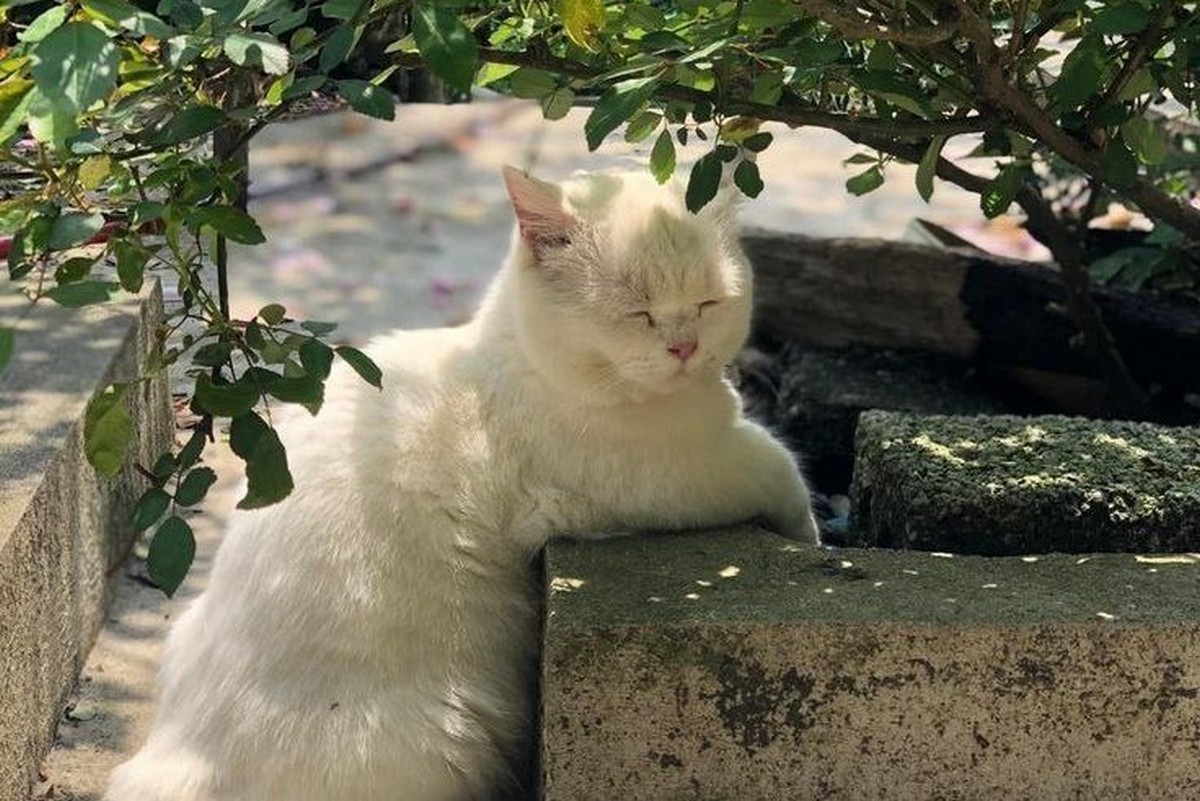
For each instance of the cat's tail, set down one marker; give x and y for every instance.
(177, 776)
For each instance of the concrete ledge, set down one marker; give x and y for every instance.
(736, 665)
(1002, 484)
(61, 525)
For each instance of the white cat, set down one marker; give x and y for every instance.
(371, 636)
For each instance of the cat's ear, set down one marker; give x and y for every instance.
(541, 213)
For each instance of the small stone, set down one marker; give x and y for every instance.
(82, 711)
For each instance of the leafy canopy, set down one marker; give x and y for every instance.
(104, 105)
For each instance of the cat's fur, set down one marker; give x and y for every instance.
(370, 636)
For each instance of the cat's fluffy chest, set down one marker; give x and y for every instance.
(496, 443)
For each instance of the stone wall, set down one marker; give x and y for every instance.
(63, 528)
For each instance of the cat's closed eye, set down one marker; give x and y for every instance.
(708, 304)
(644, 316)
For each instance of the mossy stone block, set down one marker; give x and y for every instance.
(1014, 485)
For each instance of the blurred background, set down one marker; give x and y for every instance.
(375, 224)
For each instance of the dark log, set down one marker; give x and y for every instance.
(997, 313)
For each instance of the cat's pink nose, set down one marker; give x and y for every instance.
(682, 350)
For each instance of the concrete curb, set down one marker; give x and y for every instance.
(736, 665)
(61, 525)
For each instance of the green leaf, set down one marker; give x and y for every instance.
(530, 83)
(895, 90)
(615, 106)
(768, 88)
(82, 293)
(44, 24)
(866, 181)
(268, 479)
(758, 142)
(272, 313)
(341, 9)
(244, 433)
(75, 66)
(646, 17)
(233, 223)
(257, 49)
(366, 98)
(131, 265)
(163, 467)
(662, 157)
(999, 194)
(445, 43)
(74, 229)
(254, 336)
(125, 15)
(94, 171)
(226, 400)
(307, 390)
(214, 354)
(183, 50)
(16, 96)
(185, 13)
(362, 364)
(50, 122)
(318, 328)
(7, 337)
(747, 178)
(171, 554)
(927, 168)
(556, 104)
(759, 15)
(861, 158)
(1122, 18)
(704, 181)
(1081, 75)
(107, 430)
(150, 508)
(583, 20)
(189, 123)
(491, 72)
(195, 486)
(1147, 139)
(72, 270)
(1118, 165)
(338, 46)
(189, 454)
(317, 358)
(304, 87)
(642, 125)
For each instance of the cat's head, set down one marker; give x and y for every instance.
(622, 293)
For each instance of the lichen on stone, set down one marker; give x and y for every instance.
(1004, 484)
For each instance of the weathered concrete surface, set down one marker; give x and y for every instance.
(111, 710)
(61, 526)
(995, 485)
(737, 665)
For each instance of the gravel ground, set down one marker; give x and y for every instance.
(377, 225)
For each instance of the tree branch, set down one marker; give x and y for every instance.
(1027, 116)
(852, 26)
(1146, 43)
(1127, 398)
(791, 114)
